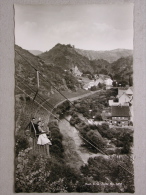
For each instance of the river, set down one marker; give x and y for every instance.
(74, 150)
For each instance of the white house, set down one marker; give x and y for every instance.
(121, 91)
(76, 71)
(129, 91)
(104, 76)
(108, 81)
(100, 80)
(86, 86)
(112, 103)
(89, 85)
(97, 82)
(93, 83)
(124, 98)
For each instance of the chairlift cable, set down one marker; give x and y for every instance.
(47, 80)
(80, 135)
(43, 76)
(53, 108)
(66, 99)
(30, 88)
(37, 102)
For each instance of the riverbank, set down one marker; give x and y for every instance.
(75, 154)
(72, 98)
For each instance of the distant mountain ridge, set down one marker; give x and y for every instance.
(57, 65)
(116, 63)
(35, 52)
(108, 55)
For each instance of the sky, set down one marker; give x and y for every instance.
(89, 27)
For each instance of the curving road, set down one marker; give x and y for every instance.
(73, 99)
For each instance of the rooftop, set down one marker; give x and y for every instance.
(121, 111)
(129, 91)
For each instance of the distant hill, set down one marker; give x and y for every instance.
(66, 57)
(122, 69)
(109, 56)
(35, 52)
(101, 66)
(118, 63)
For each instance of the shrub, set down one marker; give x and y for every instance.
(54, 129)
(96, 138)
(56, 151)
(27, 98)
(52, 124)
(64, 106)
(21, 98)
(57, 147)
(21, 143)
(35, 173)
(58, 143)
(93, 88)
(74, 115)
(105, 126)
(75, 120)
(98, 117)
(101, 168)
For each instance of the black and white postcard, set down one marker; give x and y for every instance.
(74, 98)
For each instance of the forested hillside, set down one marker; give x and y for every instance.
(55, 74)
(122, 69)
(66, 57)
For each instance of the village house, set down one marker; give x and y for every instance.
(108, 81)
(102, 76)
(121, 91)
(124, 99)
(99, 80)
(112, 103)
(120, 115)
(129, 91)
(76, 71)
(93, 83)
(86, 86)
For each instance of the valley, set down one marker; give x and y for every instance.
(65, 83)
